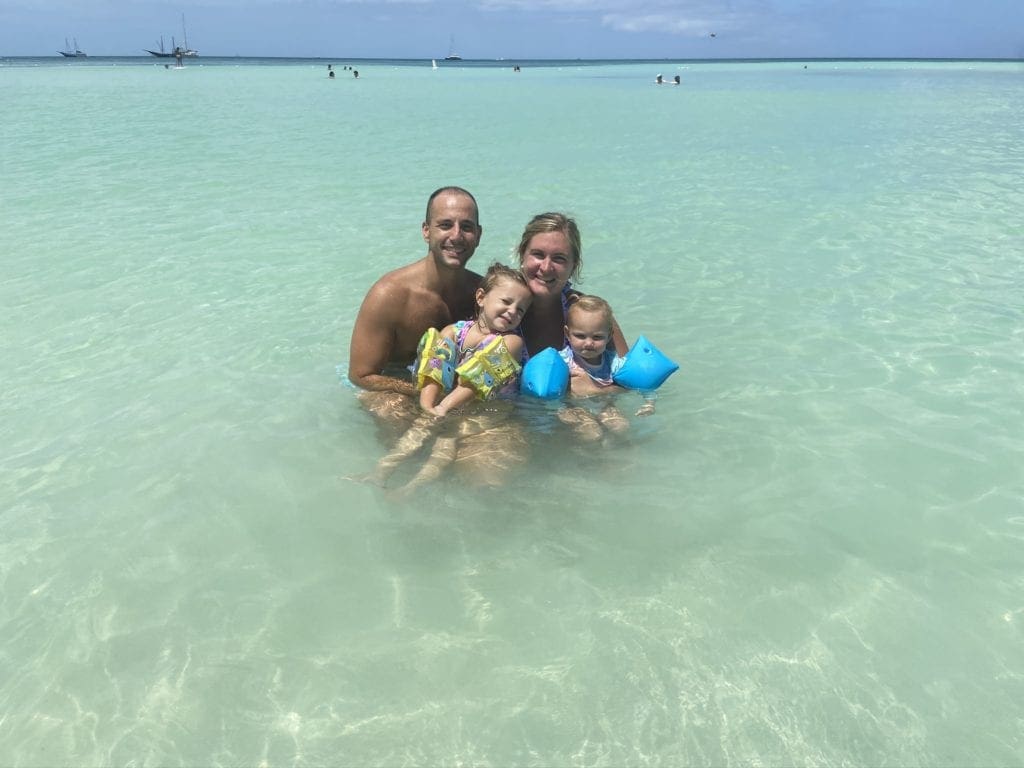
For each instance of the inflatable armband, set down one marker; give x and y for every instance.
(489, 368)
(644, 367)
(545, 375)
(435, 358)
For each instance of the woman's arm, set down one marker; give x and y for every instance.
(619, 339)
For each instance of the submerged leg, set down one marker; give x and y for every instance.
(488, 457)
(442, 455)
(612, 419)
(407, 445)
(390, 407)
(583, 424)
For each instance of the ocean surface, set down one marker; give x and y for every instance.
(811, 554)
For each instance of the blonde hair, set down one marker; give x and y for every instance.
(555, 222)
(586, 303)
(498, 272)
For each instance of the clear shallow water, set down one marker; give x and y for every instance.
(810, 554)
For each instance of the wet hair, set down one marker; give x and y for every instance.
(454, 191)
(587, 303)
(555, 222)
(498, 272)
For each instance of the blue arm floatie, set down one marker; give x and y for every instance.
(644, 367)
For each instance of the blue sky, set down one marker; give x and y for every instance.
(513, 29)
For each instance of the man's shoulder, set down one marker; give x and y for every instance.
(401, 276)
(396, 285)
(417, 278)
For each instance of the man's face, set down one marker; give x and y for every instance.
(452, 232)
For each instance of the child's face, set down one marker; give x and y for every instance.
(502, 308)
(589, 334)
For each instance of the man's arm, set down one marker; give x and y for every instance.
(374, 336)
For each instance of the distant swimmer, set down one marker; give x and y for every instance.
(658, 80)
(355, 73)
(675, 80)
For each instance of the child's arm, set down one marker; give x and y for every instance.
(458, 397)
(462, 394)
(431, 392)
(429, 396)
(514, 344)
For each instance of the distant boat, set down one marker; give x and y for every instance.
(433, 63)
(176, 51)
(72, 53)
(452, 55)
(161, 53)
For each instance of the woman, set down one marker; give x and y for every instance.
(550, 255)
(491, 444)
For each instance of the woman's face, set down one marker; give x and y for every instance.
(548, 263)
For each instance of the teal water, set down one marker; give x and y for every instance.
(810, 555)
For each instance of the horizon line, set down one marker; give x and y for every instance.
(464, 59)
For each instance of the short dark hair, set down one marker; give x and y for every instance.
(454, 191)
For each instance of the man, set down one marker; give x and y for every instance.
(429, 293)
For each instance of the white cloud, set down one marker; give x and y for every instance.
(659, 22)
(693, 18)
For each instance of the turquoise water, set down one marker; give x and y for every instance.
(811, 553)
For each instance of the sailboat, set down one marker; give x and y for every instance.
(433, 63)
(176, 51)
(452, 55)
(161, 53)
(72, 53)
